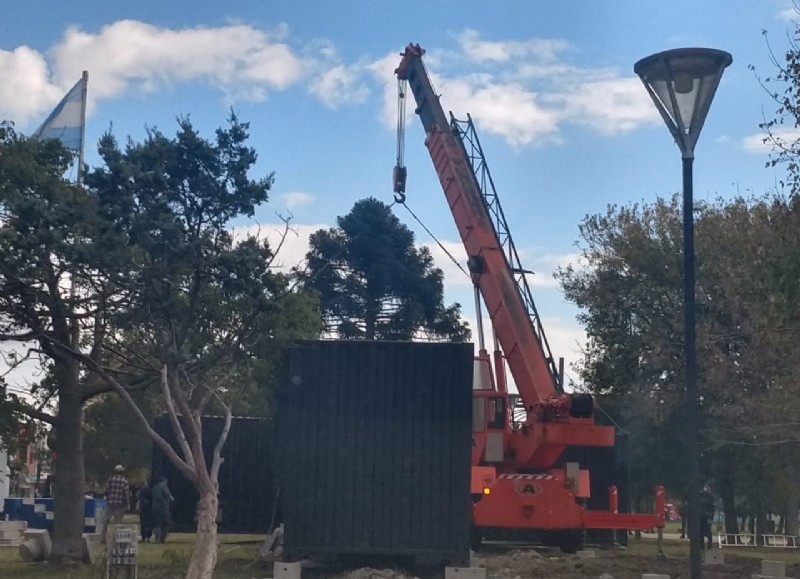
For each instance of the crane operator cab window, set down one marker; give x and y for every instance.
(478, 414)
(488, 412)
(497, 412)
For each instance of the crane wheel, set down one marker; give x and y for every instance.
(570, 541)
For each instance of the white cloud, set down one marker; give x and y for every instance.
(129, 55)
(383, 70)
(25, 91)
(340, 85)
(291, 244)
(789, 13)
(295, 199)
(756, 143)
(525, 91)
(453, 276)
(542, 49)
(509, 110)
(610, 105)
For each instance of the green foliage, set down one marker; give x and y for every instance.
(197, 299)
(113, 435)
(375, 284)
(779, 131)
(45, 228)
(630, 297)
(137, 277)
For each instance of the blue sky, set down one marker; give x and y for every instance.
(566, 126)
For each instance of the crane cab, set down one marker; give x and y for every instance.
(490, 420)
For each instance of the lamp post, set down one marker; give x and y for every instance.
(682, 83)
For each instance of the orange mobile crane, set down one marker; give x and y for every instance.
(517, 488)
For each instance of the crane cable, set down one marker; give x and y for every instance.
(439, 243)
(399, 174)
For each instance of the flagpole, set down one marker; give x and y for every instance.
(79, 179)
(73, 289)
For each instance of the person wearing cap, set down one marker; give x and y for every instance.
(116, 499)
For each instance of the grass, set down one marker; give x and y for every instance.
(237, 560)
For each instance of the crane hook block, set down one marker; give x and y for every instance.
(399, 178)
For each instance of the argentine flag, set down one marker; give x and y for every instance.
(66, 121)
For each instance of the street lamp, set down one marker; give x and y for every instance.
(682, 83)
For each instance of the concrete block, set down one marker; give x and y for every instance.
(714, 557)
(13, 525)
(654, 576)
(36, 545)
(11, 541)
(91, 548)
(586, 554)
(464, 573)
(773, 568)
(287, 570)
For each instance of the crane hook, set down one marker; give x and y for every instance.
(399, 178)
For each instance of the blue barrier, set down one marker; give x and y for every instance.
(39, 513)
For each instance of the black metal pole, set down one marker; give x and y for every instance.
(690, 355)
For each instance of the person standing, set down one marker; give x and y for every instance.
(707, 511)
(116, 499)
(145, 504)
(162, 509)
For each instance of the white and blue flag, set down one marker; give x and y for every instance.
(66, 121)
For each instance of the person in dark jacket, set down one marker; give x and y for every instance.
(162, 509)
(707, 511)
(145, 503)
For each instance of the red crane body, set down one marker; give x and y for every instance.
(515, 482)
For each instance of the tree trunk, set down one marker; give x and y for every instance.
(790, 528)
(68, 490)
(204, 556)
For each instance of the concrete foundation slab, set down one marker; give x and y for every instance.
(654, 576)
(586, 554)
(773, 568)
(464, 573)
(287, 570)
(714, 557)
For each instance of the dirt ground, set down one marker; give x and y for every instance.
(523, 563)
(611, 564)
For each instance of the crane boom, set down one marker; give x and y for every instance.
(516, 322)
(521, 483)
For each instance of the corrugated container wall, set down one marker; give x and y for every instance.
(375, 450)
(246, 487)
